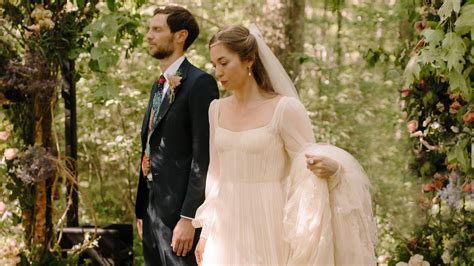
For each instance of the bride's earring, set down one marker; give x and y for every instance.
(250, 70)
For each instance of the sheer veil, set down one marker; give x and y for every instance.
(352, 226)
(280, 80)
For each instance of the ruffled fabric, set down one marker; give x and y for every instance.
(341, 223)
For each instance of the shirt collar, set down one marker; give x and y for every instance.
(173, 68)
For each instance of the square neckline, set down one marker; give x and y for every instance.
(250, 129)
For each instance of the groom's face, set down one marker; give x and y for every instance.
(159, 37)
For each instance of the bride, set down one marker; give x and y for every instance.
(273, 196)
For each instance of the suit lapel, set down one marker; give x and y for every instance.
(165, 104)
(146, 119)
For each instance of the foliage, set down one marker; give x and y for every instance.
(43, 38)
(438, 101)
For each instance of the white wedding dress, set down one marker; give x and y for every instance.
(263, 207)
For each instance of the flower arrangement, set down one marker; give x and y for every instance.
(438, 102)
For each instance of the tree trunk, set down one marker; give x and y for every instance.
(283, 29)
(294, 36)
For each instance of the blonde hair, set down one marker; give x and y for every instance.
(238, 39)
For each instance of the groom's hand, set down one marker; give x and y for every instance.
(140, 228)
(183, 236)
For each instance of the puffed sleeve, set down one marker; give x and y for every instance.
(307, 215)
(295, 127)
(205, 214)
(326, 221)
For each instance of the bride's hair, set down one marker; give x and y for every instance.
(238, 39)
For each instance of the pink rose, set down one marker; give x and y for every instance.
(412, 126)
(468, 117)
(467, 188)
(428, 187)
(454, 107)
(3, 207)
(10, 153)
(4, 135)
(405, 92)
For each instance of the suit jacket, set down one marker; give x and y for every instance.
(179, 148)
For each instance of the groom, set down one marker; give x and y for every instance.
(175, 143)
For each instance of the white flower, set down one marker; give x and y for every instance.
(415, 260)
(435, 209)
(70, 7)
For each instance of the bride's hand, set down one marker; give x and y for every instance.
(321, 166)
(200, 250)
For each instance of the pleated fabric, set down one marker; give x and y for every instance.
(263, 207)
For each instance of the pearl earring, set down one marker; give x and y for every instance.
(250, 71)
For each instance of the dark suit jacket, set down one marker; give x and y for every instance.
(179, 148)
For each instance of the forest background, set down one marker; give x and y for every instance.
(352, 63)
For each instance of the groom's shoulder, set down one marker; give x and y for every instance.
(195, 72)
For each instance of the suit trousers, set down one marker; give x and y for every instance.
(157, 236)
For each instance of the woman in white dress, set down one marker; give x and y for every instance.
(263, 206)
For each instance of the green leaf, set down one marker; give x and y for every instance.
(111, 5)
(96, 53)
(110, 25)
(429, 55)
(457, 82)
(81, 3)
(433, 37)
(462, 158)
(412, 71)
(455, 50)
(94, 65)
(74, 53)
(448, 7)
(465, 22)
(107, 61)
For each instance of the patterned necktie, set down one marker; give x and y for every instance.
(157, 92)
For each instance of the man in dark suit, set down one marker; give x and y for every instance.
(175, 143)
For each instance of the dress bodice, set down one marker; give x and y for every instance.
(254, 155)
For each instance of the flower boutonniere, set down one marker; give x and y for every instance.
(174, 81)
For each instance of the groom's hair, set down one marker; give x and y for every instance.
(179, 18)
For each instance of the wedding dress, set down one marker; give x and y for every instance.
(264, 207)
(243, 214)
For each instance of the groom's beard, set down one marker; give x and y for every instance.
(164, 51)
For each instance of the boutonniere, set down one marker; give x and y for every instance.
(174, 81)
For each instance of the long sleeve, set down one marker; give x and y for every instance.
(307, 213)
(327, 221)
(205, 213)
(295, 127)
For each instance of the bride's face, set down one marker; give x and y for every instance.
(230, 70)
